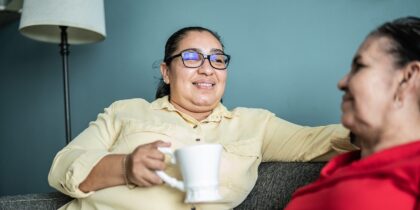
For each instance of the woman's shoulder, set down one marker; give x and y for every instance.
(129, 104)
(251, 112)
(131, 101)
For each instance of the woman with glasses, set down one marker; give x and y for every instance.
(381, 105)
(112, 164)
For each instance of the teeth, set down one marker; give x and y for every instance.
(204, 84)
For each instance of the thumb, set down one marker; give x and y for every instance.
(161, 143)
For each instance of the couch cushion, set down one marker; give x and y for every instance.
(276, 183)
(42, 201)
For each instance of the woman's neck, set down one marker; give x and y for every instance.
(391, 136)
(198, 115)
(384, 144)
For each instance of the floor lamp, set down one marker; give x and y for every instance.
(65, 22)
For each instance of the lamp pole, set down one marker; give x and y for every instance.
(38, 22)
(64, 51)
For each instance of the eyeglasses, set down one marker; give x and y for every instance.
(194, 59)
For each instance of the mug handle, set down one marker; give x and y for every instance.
(175, 183)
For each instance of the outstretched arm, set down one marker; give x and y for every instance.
(285, 141)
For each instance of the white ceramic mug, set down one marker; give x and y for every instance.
(199, 166)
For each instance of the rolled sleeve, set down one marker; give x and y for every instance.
(73, 164)
(79, 168)
(340, 141)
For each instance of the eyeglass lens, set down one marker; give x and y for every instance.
(194, 59)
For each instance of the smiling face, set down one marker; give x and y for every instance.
(195, 91)
(370, 88)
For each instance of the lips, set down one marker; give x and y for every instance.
(204, 84)
(346, 102)
(347, 97)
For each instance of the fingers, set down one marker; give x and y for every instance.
(161, 143)
(142, 172)
(151, 150)
(149, 179)
(156, 155)
(155, 164)
(144, 161)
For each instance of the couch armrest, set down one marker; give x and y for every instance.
(277, 181)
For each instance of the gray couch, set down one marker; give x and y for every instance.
(276, 182)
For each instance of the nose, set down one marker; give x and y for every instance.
(206, 68)
(343, 83)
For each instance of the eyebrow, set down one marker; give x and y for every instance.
(214, 50)
(192, 49)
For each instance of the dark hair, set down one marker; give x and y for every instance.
(171, 46)
(404, 34)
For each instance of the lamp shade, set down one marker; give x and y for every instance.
(85, 20)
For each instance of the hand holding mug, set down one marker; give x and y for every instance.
(142, 163)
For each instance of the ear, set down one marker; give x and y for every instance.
(410, 81)
(164, 70)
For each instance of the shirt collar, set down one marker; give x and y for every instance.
(218, 113)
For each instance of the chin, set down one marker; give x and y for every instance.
(206, 106)
(206, 101)
(347, 121)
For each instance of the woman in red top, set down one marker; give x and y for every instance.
(381, 106)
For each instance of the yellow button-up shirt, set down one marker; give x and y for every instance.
(248, 136)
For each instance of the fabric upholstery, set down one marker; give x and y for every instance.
(276, 182)
(41, 201)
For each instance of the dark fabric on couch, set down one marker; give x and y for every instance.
(276, 182)
(41, 201)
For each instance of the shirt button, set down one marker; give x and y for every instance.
(197, 139)
(195, 126)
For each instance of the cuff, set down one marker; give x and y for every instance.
(79, 170)
(342, 142)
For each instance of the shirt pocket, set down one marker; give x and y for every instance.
(239, 168)
(244, 148)
(135, 133)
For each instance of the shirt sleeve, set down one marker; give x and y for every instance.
(73, 164)
(285, 141)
